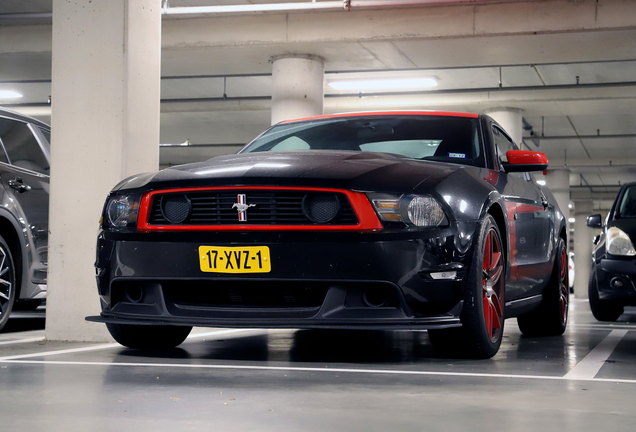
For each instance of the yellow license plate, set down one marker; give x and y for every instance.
(251, 259)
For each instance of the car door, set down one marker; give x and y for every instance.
(25, 180)
(530, 220)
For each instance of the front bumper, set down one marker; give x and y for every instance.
(615, 280)
(318, 280)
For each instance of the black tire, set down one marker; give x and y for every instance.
(551, 317)
(482, 315)
(7, 283)
(602, 310)
(149, 336)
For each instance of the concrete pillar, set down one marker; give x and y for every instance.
(298, 87)
(511, 120)
(559, 183)
(582, 247)
(105, 126)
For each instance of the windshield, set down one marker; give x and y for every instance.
(439, 138)
(627, 206)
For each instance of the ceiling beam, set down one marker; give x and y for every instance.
(460, 20)
(570, 137)
(587, 194)
(339, 73)
(628, 168)
(563, 92)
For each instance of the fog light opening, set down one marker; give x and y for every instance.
(617, 283)
(134, 293)
(375, 297)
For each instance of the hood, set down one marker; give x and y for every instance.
(363, 171)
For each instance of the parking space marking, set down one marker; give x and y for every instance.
(222, 332)
(315, 369)
(19, 341)
(590, 365)
(66, 351)
(585, 370)
(628, 326)
(112, 345)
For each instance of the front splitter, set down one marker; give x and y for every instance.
(417, 324)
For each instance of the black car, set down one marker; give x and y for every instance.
(611, 286)
(392, 220)
(24, 212)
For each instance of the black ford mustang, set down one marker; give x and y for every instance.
(389, 220)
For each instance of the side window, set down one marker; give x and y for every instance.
(22, 148)
(46, 133)
(503, 144)
(3, 154)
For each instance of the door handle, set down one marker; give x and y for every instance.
(18, 185)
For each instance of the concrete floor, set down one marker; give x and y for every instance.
(283, 380)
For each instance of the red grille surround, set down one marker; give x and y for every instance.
(368, 220)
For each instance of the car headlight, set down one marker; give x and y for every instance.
(618, 243)
(122, 211)
(416, 210)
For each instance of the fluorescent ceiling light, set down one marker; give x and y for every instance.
(186, 143)
(33, 110)
(541, 182)
(267, 7)
(571, 220)
(9, 94)
(384, 84)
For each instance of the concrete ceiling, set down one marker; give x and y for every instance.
(540, 49)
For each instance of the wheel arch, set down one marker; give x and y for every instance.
(564, 235)
(9, 231)
(496, 211)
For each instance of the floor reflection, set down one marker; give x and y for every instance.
(19, 323)
(356, 347)
(629, 315)
(174, 353)
(250, 348)
(522, 347)
(359, 346)
(304, 346)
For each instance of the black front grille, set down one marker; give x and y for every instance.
(175, 207)
(269, 208)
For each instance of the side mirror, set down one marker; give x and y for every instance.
(594, 221)
(524, 161)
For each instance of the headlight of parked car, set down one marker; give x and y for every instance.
(414, 210)
(122, 211)
(618, 243)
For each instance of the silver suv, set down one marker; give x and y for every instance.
(24, 211)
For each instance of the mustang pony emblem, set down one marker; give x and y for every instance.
(241, 207)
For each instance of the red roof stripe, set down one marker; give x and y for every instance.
(384, 113)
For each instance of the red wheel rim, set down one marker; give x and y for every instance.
(493, 284)
(564, 291)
